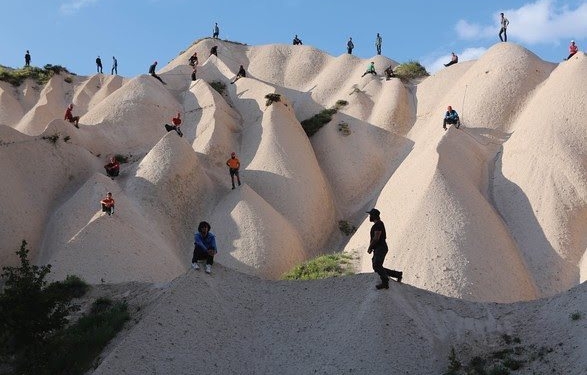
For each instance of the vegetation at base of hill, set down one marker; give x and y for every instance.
(410, 70)
(272, 98)
(314, 123)
(40, 75)
(322, 267)
(511, 357)
(51, 138)
(122, 159)
(218, 86)
(346, 227)
(36, 336)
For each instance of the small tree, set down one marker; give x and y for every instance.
(30, 313)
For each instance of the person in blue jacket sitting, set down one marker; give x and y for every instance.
(204, 246)
(451, 117)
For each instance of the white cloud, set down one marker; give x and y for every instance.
(75, 5)
(466, 55)
(541, 22)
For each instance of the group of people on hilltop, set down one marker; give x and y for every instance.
(114, 69)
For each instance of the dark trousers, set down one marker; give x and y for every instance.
(200, 255)
(98, 68)
(378, 50)
(114, 70)
(234, 172)
(384, 273)
(108, 210)
(112, 172)
(171, 127)
(450, 63)
(349, 51)
(571, 55)
(505, 34)
(456, 122)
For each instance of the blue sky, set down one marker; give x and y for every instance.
(73, 32)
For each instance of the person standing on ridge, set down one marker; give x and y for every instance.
(241, 73)
(572, 49)
(108, 204)
(378, 41)
(451, 117)
(176, 121)
(370, 70)
(233, 167)
(204, 247)
(350, 46)
(453, 59)
(504, 26)
(215, 31)
(114, 69)
(70, 117)
(297, 41)
(153, 74)
(379, 248)
(98, 64)
(27, 58)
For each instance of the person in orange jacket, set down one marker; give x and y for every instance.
(233, 167)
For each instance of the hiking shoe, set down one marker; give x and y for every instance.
(233, 188)
(208, 268)
(195, 266)
(399, 279)
(382, 286)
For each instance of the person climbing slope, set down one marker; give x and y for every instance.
(70, 117)
(241, 73)
(370, 69)
(176, 121)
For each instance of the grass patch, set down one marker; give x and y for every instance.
(51, 138)
(40, 75)
(410, 70)
(66, 139)
(314, 123)
(322, 267)
(343, 127)
(218, 86)
(74, 350)
(35, 334)
(272, 98)
(68, 79)
(576, 316)
(346, 228)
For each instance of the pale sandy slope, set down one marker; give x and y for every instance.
(230, 323)
(456, 217)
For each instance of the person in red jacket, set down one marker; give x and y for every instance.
(176, 123)
(572, 49)
(108, 204)
(112, 168)
(70, 117)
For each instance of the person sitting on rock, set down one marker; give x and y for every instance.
(176, 123)
(572, 49)
(70, 117)
(297, 41)
(451, 117)
(389, 74)
(112, 168)
(204, 247)
(153, 74)
(108, 204)
(453, 59)
(370, 69)
(241, 73)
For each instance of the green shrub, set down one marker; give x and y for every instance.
(453, 363)
(68, 79)
(218, 86)
(30, 312)
(512, 364)
(343, 127)
(51, 138)
(314, 123)
(576, 315)
(322, 267)
(498, 370)
(75, 349)
(71, 287)
(346, 228)
(410, 70)
(122, 159)
(272, 98)
(40, 75)
(478, 365)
